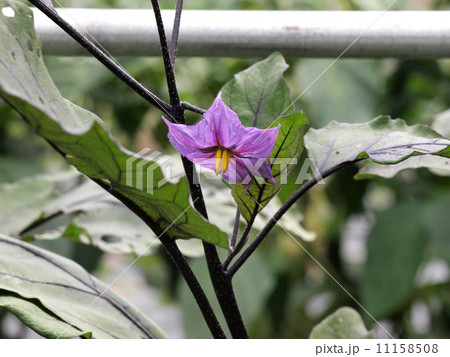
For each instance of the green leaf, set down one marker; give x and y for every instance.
(344, 323)
(259, 94)
(26, 201)
(64, 294)
(395, 251)
(440, 165)
(382, 140)
(437, 165)
(97, 218)
(37, 316)
(86, 214)
(288, 148)
(85, 141)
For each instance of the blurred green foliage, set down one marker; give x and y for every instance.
(369, 237)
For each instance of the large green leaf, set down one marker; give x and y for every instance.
(344, 323)
(84, 139)
(26, 200)
(396, 247)
(38, 317)
(382, 140)
(97, 218)
(51, 293)
(39, 209)
(259, 94)
(439, 165)
(288, 148)
(29, 197)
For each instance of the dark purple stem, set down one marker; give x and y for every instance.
(175, 33)
(221, 282)
(237, 219)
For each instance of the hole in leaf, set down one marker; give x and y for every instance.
(84, 238)
(8, 11)
(111, 239)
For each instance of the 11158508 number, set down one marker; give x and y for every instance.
(407, 348)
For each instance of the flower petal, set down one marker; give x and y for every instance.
(208, 161)
(237, 172)
(225, 122)
(192, 141)
(258, 143)
(259, 168)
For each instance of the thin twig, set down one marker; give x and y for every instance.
(281, 211)
(102, 57)
(241, 244)
(244, 238)
(168, 68)
(175, 33)
(237, 220)
(192, 108)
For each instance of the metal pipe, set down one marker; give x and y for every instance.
(208, 33)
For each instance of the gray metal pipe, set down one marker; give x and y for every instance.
(207, 33)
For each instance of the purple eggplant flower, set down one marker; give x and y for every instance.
(221, 143)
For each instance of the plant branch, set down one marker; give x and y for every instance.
(222, 284)
(281, 211)
(195, 287)
(244, 238)
(235, 250)
(192, 108)
(175, 32)
(168, 68)
(237, 220)
(223, 289)
(102, 57)
(180, 262)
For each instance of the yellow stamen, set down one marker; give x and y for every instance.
(218, 160)
(225, 160)
(222, 160)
